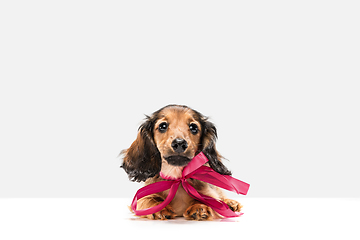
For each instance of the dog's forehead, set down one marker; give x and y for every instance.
(175, 114)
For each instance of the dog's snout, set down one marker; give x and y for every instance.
(179, 145)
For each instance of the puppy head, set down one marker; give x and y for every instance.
(168, 140)
(177, 134)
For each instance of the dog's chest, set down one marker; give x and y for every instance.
(181, 201)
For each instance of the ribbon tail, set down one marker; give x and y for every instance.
(151, 189)
(217, 205)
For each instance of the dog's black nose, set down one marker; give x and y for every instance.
(179, 145)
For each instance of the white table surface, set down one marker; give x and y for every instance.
(264, 218)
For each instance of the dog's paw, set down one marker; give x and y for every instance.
(235, 206)
(199, 212)
(166, 213)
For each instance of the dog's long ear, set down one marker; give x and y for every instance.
(142, 160)
(207, 146)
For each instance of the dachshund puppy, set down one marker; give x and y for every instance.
(166, 142)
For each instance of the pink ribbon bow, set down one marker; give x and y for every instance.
(195, 170)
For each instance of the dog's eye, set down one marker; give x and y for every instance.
(162, 127)
(193, 128)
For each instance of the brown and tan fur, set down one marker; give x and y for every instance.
(148, 155)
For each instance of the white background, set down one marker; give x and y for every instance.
(101, 218)
(280, 79)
